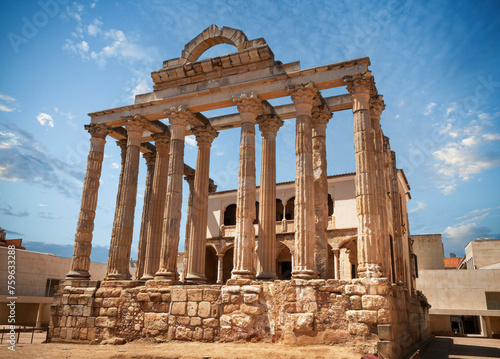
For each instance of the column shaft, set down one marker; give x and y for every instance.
(220, 268)
(304, 268)
(178, 118)
(80, 263)
(336, 274)
(197, 250)
(369, 265)
(188, 236)
(146, 214)
(121, 240)
(244, 242)
(266, 253)
(319, 121)
(159, 189)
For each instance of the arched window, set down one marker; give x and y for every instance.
(290, 208)
(279, 209)
(330, 205)
(230, 215)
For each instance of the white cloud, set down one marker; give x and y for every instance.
(190, 141)
(94, 29)
(420, 206)
(11, 103)
(428, 109)
(45, 119)
(492, 136)
(115, 165)
(42, 205)
(468, 152)
(6, 108)
(8, 140)
(68, 115)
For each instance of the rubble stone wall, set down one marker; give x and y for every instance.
(376, 316)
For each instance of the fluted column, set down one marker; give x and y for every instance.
(80, 263)
(376, 107)
(244, 242)
(121, 239)
(150, 158)
(187, 239)
(178, 118)
(320, 117)
(159, 189)
(303, 98)
(369, 265)
(196, 263)
(269, 126)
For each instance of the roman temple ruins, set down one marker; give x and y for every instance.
(323, 259)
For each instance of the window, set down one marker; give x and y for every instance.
(493, 300)
(50, 288)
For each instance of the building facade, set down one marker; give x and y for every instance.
(370, 298)
(466, 299)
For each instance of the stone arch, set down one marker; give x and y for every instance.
(212, 36)
(211, 264)
(290, 208)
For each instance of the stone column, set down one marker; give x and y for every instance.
(150, 158)
(376, 107)
(360, 87)
(269, 126)
(303, 98)
(159, 189)
(80, 263)
(187, 239)
(220, 268)
(244, 242)
(178, 118)
(196, 263)
(121, 239)
(336, 259)
(320, 117)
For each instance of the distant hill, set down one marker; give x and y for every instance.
(99, 253)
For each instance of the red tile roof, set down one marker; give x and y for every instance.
(451, 262)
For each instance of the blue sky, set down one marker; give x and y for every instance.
(436, 63)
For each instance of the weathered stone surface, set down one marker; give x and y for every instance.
(303, 322)
(195, 295)
(114, 341)
(183, 321)
(195, 321)
(375, 302)
(363, 316)
(183, 333)
(178, 308)
(241, 320)
(179, 295)
(204, 309)
(252, 309)
(192, 309)
(250, 298)
(156, 321)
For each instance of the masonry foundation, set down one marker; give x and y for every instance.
(372, 314)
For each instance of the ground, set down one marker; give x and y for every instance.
(171, 350)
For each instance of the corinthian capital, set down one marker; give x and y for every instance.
(135, 123)
(360, 83)
(98, 130)
(303, 93)
(269, 123)
(178, 116)
(248, 104)
(321, 115)
(205, 134)
(162, 140)
(150, 158)
(377, 105)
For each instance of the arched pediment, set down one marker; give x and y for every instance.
(212, 36)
